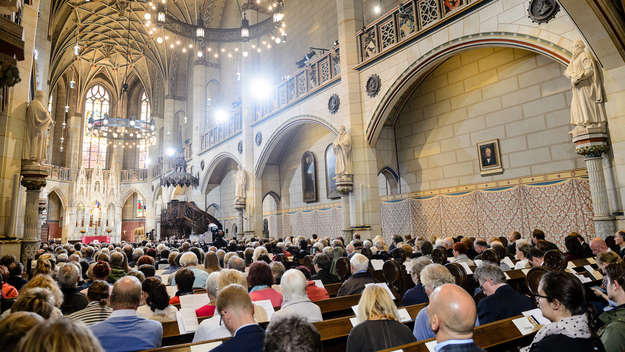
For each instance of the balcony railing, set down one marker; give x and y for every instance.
(406, 22)
(222, 132)
(136, 175)
(315, 76)
(60, 173)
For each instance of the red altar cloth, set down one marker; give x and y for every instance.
(102, 239)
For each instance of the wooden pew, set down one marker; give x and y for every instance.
(333, 288)
(502, 332)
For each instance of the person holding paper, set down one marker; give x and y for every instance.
(378, 323)
(501, 300)
(314, 292)
(296, 302)
(237, 312)
(124, 330)
(562, 299)
(452, 318)
(612, 332)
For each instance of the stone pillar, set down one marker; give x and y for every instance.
(73, 139)
(34, 179)
(592, 143)
(349, 17)
(615, 208)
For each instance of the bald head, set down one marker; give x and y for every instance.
(598, 246)
(452, 313)
(126, 293)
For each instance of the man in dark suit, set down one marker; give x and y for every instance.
(501, 300)
(359, 265)
(237, 312)
(452, 317)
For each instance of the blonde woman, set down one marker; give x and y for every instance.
(61, 335)
(379, 325)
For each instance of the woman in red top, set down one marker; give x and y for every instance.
(8, 291)
(260, 279)
(212, 288)
(184, 283)
(314, 292)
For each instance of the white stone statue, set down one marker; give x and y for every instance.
(342, 146)
(587, 103)
(240, 186)
(38, 121)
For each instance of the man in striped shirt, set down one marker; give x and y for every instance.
(97, 310)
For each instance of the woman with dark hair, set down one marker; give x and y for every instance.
(260, 279)
(555, 260)
(439, 256)
(97, 309)
(156, 305)
(211, 262)
(562, 299)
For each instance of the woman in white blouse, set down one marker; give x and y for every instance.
(156, 305)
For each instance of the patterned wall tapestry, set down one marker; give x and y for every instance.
(324, 222)
(556, 207)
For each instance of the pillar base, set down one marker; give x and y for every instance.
(29, 249)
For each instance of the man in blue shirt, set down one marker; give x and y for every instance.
(237, 312)
(124, 330)
(452, 314)
(432, 276)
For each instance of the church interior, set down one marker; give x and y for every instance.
(319, 136)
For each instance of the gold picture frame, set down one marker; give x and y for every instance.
(489, 157)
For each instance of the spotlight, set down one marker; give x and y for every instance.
(170, 151)
(260, 88)
(377, 9)
(221, 115)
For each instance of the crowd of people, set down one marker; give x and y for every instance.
(114, 297)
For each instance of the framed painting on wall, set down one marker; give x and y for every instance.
(309, 177)
(331, 191)
(489, 157)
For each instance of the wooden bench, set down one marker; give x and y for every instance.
(498, 333)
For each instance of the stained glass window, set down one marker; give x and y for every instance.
(144, 114)
(140, 208)
(97, 102)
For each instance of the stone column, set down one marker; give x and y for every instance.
(615, 208)
(592, 143)
(34, 179)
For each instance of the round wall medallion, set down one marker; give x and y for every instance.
(373, 85)
(542, 11)
(240, 147)
(202, 165)
(258, 139)
(333, 103)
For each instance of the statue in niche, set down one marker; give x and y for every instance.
(343, 151)
(38, 121)
(588, 98)
(240, 186)
(309, 177)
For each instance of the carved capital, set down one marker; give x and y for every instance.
(592, 151)
(34, 175)
(344, 183)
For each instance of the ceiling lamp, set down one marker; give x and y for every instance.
(199, 32)
(245, 27)
(179, 176)
(278, 12)
(160, 17)
(121, 129)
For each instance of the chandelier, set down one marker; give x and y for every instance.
(179, 176)
(121, 130)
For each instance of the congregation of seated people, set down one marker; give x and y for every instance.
(117, 297)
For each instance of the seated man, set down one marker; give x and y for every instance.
(452, 318)
(124, 330)
(360, 276)
(612, 333)
(432, 276)
(598, 245)
(296, 302)
(292, 333)
(73, 300)
(501, 300)
(323, 265)
(536, 257)
(237, 312)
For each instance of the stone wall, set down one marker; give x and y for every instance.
(513, 95)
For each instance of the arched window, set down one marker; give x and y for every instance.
(144, 114)
(97, 102)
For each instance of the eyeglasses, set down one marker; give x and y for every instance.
(537, 296)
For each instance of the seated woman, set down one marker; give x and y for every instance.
(379, 325)
(211, 262)
(97, 309)
(574, 249)
(416, 294)
(97, 271)
(15, 326)
(212, 287)
(522, 253)
(184, 283)
(460, 254)
(156, 305)
(260, 279)
(314, 292)
(562, 299)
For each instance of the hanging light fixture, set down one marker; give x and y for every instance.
(199, 32)
(245, 27)
(278, 12)
(160, 17)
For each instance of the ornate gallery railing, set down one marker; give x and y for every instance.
(406, 22)
(223, 131)
(136, 175)
(316, 75)
(60, 173)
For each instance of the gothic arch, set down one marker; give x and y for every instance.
(213, 165)
(278, 133)
(402, 87)
(59, 194)
(129, 193)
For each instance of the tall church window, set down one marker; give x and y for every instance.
(144, 115)
(97, 103)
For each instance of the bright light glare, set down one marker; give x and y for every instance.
(221, 115)
(377, 9)
(260, 88)
(148, 161)
(170, 151)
